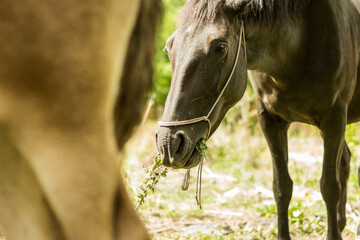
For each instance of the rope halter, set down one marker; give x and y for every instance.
(207, 117)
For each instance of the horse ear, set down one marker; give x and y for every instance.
(238, 6)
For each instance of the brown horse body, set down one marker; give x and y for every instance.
(60, 69)
(304, 61)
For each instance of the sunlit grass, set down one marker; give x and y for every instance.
(237, 186)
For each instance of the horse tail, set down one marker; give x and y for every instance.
(136, 79)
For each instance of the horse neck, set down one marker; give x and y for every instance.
(275, 48)
(286, 49)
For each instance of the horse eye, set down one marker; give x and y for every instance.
(221, 48)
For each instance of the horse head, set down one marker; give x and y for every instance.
(208, 61)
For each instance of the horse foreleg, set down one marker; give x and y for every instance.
(275, 131)
(344, 176)
(24, 213)
(69, 186)
(332, 126)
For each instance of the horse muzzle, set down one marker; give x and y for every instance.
(176, 146)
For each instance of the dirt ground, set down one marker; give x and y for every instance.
(238, 204)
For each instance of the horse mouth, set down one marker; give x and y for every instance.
(193, 160)
(177, 147)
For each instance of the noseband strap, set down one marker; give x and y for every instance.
(207, 117)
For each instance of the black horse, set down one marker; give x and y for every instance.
(304, 62)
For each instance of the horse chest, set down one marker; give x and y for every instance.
(304, 102)
(289, 108)
(292, 106)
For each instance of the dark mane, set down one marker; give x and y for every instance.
(202, 12)
(268, 11)
(199, 12)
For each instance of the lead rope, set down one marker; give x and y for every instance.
(186, 180)
(198, 183)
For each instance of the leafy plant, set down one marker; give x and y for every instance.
(201, 147)
(158, 170)
(154, 173)
(162, 75)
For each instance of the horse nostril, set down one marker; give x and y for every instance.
(181, 142)
(178, 143)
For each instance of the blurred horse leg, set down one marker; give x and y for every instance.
(22, 201)
(59, 76)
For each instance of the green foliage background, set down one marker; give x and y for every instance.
(162, 75)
